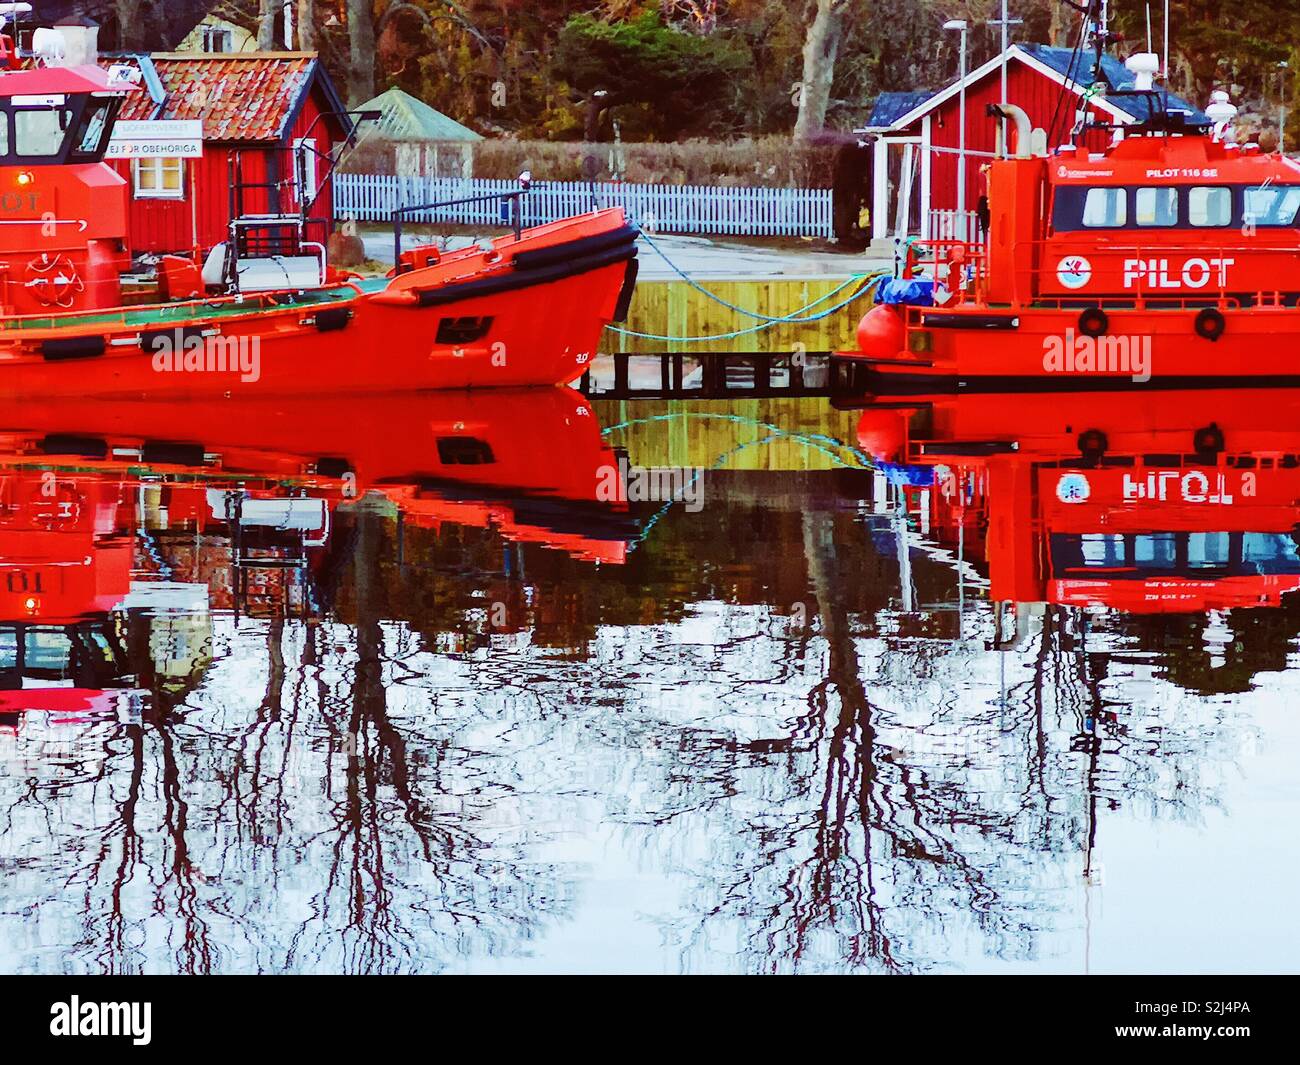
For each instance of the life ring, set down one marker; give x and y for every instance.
(60, 510)
(1209, 323)
(1208, 440)
(54, 280)
(1093, 322)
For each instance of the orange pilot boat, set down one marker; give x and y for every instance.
(264, 311)
(1160, 254)
(1120, 505)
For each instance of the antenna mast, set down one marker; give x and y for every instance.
(1165, 76)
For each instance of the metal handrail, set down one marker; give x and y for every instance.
(22, 326)
(514, 197)
(937, 255)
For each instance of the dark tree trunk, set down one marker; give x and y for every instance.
(361, 55)
(266, 12)
(591, 120)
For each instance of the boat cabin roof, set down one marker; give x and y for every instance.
(59, 81)
(1175, 160)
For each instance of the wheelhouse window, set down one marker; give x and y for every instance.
(1076, 208)
(161, 178)
(1203, 555)
(1156, 207)
(1272, 205)
(1105, 208)
(40, 132)
(1209, 205)
(92, 133)
(57, 129)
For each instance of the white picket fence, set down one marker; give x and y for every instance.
(656, 208)
(948, 224)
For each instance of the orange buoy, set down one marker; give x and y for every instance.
(882, 434)
(881, 333)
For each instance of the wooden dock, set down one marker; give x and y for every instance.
(676, 309)
(792, 360)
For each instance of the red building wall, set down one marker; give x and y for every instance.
(161, 226)
(1036, 93)
(323, 133)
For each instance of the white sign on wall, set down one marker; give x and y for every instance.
(147, 140)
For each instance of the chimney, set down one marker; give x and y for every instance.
(81, 40)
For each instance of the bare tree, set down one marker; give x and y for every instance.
(306, 25)
(361, 54)
(266, 13)
(820, 50)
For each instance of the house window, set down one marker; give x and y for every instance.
(304, 167)
(159, 179)
(218, 39)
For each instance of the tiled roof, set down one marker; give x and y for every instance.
(1077, 67)
(249, 96)
(404, 117)
(891, 106)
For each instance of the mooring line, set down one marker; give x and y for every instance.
(867, 283)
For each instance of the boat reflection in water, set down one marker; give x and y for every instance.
(1180, 507)
(387, 686)
(123, 527)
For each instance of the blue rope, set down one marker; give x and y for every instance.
(799, 317)
(795, 318)
(731, 306)
(809, 440)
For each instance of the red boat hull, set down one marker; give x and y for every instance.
(1045, 351)
(477, 320)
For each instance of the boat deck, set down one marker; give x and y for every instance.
(180, 313)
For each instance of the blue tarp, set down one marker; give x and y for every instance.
(915, 292)
(907, 476)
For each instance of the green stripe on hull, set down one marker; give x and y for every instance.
(168, 314)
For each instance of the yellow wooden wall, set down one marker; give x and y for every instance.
(782, 433)
(674, 308)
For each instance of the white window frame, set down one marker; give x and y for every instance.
(159, 193)
(218, 40)
(310, 170)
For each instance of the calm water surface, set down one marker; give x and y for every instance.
(401, 686)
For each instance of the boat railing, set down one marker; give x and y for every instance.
(1143, 286)
(510, 209)
(110, 319)
(960, 266)
(962, 269)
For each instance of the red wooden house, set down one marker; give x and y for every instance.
(259, 111)
(917, 135)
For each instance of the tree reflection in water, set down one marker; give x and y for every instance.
(825, 775)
